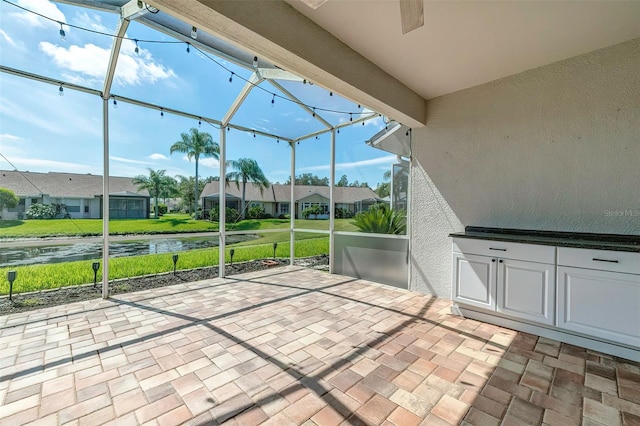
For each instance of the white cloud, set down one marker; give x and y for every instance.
(127, 160)
(206, 161)
(209, 162)
(93, 22)
(354, 164)
(157, 156)
(6, 138)
(17, 112)
(39, 164)
(42, 7)
(8, 39)
(91, 62)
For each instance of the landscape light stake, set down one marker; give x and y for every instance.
(95, 266)
(275, 246)
(231, 253)
(11, 276)
(175, 262)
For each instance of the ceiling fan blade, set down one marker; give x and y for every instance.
(411, 15)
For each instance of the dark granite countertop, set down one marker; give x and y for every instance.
(615, 242)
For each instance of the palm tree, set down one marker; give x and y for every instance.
(246, 170)
(196, 144)
(155, 183)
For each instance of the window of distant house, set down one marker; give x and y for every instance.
(19, 207)
(86, 209)
(34, 201)
(284, 208)
(73, 209)
(256, 204)
(323, 206)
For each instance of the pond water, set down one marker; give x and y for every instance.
(13, 256)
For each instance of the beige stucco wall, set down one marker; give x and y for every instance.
(554, 148)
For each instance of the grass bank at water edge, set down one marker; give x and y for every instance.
(56, 275)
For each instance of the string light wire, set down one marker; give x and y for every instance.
(203, 53)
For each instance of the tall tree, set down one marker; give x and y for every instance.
(154, 183)
(309, 179)
(170, 189)
(343, 181)
(196, 144)
(246, 170)
(187, 188)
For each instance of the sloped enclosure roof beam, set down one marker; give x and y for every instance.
(283, 36)
(254, 80)
(123, 24)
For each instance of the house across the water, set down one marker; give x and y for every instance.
(276, 199)
(81, 194)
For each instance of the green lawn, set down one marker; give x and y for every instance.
(168, 224)
(55, 275)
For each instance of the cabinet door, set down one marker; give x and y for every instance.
(601, 304)
(474, 280)
(527, 290)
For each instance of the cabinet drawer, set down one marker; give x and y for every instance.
(604, 260)
(516, 251)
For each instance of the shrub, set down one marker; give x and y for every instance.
(257, 213)
(40, 211)
(312, 210)
(8, 199)
(382, 220)
(342, 213)
(162, 209)
(232, 215)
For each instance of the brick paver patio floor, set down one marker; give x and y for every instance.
(296, 346)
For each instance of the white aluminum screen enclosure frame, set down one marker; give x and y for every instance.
(164, 23)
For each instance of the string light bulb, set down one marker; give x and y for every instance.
(63, 35)
(330, 93)
(314, 111)
(254, 133)
(115, 103)
(161, 113)
(304, 81)
(273, 100)
(194, 33)
(255, 62)
(199, 121)
(350, 117)
(61, 90)
(231, 78)
(188, 48)
(137, 50)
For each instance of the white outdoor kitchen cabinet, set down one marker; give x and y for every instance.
(587, 297)
(599, 293)
(511, 278)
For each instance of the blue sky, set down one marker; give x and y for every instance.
(42, 131)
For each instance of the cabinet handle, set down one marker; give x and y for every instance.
(595, 259)
(497, 249)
